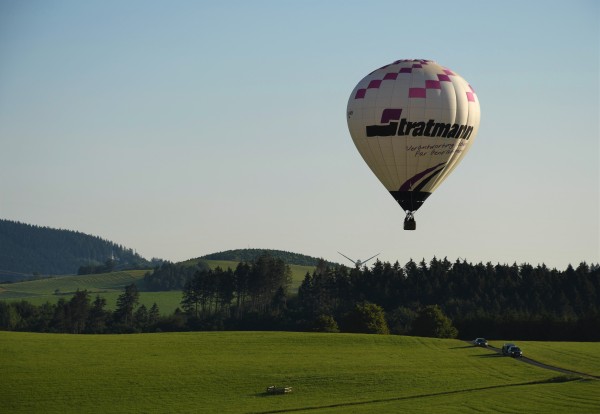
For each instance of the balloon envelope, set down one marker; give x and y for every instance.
(413, 121)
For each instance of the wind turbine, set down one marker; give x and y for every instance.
(359, 263)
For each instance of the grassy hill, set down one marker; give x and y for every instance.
(111, 285)
(107, 285)
(67, 285)
(227, 372)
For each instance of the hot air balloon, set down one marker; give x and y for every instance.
(413, 121)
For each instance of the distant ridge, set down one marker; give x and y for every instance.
(27, 251)
(247, 255)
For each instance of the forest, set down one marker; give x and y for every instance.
(28, 251)
(439, 299)
(247, 255)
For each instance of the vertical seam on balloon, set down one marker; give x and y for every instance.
(408, 116)
(391, 99)
(467, 143)
(368, 145)
(427, 103)
(381, 140)
(454, 158)
(418, 159)
(373, 156)
(452, 95)
(448, 167)
(406, 136)
(382, 157)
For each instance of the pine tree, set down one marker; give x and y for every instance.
(78, 310)
(126, 303)
(153, 315)
(98, 317)
(140, 318)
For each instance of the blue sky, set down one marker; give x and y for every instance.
(184, 128)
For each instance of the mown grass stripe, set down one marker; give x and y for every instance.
(412, 397)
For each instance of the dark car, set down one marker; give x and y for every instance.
(515, 352)
(506, 347)
(480, 342)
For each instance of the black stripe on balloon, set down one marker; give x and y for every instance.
(426, 180)
(410, 200)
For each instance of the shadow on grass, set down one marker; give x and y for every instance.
(266, 394)
(494, 355)
(462, 347)
(263, 394)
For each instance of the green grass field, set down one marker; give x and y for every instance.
(110, 286)
(227, 372)
(64, 286)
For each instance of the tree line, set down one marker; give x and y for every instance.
(496, 301)
(82, 315)
(260, 287)
(439, 298)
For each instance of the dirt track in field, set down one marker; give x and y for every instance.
(546, 366)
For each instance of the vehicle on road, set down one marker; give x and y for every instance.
(515, 352)
(506, 347)
(480, 342)
(273, 389)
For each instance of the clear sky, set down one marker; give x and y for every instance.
(182, 128)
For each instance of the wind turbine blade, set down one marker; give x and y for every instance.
(353, 262)
(365, 261)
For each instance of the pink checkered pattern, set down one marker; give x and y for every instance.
(419, 93)
(432, 84)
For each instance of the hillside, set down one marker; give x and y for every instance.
(29, 250)
(248, 255)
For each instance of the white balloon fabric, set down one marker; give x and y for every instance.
(413, 121)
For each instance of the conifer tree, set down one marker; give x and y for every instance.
(126, 303)
(98, 316)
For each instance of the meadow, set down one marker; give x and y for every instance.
(111, 285)
(228, 372)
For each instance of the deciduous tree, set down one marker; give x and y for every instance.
(367, 317)
(432, 322)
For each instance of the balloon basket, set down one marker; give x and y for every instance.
(409, 222)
